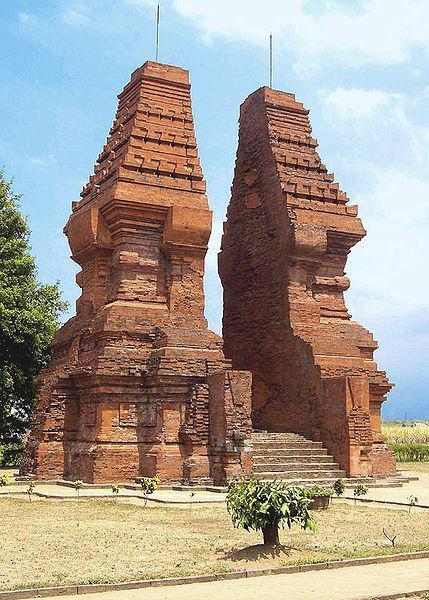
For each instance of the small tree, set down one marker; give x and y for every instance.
(339, 487)
(30, 489)
(115, 490)
(4, 480)
(268, 505)
(359, 490)
(412, 501)
(78, 486)
(390, 536)
(148, 486)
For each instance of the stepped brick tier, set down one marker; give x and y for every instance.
(138, 386)
(288, 232)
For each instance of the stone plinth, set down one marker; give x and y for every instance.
(129, 391)
(288, 232)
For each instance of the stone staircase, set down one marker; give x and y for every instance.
(293, 459)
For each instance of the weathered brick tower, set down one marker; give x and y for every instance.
(284, 250)
(138, 385)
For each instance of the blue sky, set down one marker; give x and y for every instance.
(361, 68)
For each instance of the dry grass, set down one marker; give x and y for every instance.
(53, 543)
(405, 434)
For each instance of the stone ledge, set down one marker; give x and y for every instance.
(144, 583)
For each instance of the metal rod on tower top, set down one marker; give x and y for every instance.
(157, 33)
(271, 60)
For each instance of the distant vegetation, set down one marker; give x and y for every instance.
(409, 440)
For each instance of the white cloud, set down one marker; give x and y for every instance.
(356, 103)
(76, 15)
(41, 161)
(388, 267)
(371, 31)
(382, 120)
(24, 17)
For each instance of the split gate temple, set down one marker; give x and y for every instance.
(138, 386)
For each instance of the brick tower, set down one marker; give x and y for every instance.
(288, 232)
(138, 386)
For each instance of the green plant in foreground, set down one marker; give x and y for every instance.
(30, 489)
(360, 490)
(319, 491)
(4, 480)
(412, 501)
(268, 505)
(339, 487)
(148, 486)
(78, 486)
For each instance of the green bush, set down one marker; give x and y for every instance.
(10, 455)
(266, 505)
(149, 484)
(319, 491)
(339, 487)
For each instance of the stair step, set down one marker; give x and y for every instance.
(288, 444)
(292, 467)
(278, 434)
(310, 452)
(302, 474)
(305, 481)
(291, 458)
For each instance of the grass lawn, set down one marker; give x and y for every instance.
(93, 541)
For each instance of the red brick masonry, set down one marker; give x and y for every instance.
(138, 385)
(288, 232)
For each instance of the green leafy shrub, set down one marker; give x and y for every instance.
(31, 488)
(4, 480)
(360, 490)
(412, 501)
(78, 486)
(339, 487)
(268, 505)
(10, 454)
(320, 491)
(149, 484)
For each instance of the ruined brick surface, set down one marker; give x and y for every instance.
(288, 232)
(129, 392)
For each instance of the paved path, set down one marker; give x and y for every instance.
(350, 583)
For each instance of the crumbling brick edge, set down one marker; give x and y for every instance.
(242, 574)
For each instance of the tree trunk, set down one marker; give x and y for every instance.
(271, 535)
